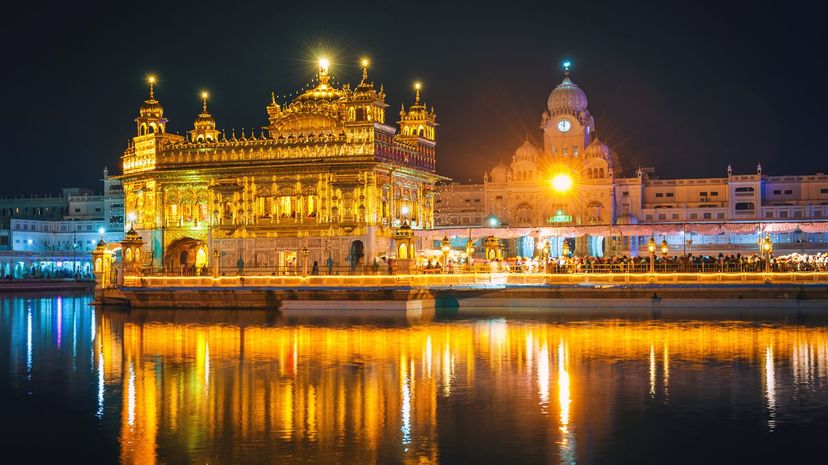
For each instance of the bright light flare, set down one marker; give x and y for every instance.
(324, 64)
(205, 95)
(365, 62)
(562, 182)
(418, 85)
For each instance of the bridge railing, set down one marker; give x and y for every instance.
(475, 279)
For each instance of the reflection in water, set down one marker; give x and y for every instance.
(194, 388)
(770, 387)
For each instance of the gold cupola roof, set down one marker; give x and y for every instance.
(151, 108)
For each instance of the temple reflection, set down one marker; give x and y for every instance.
(382, 393)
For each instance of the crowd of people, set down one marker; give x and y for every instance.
(623, 264)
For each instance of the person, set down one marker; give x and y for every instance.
(376, 266)
(330, 263)
(240, 266)
(315, 268)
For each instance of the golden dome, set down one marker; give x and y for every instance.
(204, 120)
(151, 108)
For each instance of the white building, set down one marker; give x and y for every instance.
(571, 181)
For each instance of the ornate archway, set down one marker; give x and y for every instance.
(186, 256)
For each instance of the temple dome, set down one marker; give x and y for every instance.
(597, 149)
(626, 218)
(499, 173)
(567, 97)
(527, 151)
(151, 108)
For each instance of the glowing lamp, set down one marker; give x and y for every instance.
(664, 247)
(364, 62)
(445, 245)
(204, 94)
(567, 64)
(418, 85)
(324, 64)
(101, 231)
(651, 245)
(151, 79)
(562, 182)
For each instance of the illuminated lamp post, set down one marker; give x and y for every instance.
(445, 246)
(664, 251)
(767, 249)
(543, 248)
(469, 252)
(565, 249)
(651, 246)
(305, 252)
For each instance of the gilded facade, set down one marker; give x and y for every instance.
(326, 174)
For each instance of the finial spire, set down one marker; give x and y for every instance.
(151, 81)
(324, 66)
(273, 98)
(204, 96)
(417, 87)
(364, 62)
(567, 65)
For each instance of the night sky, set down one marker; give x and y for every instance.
(686, 89)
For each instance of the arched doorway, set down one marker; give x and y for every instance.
(186, 256)
(356, 254)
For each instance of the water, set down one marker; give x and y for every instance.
(93, 386)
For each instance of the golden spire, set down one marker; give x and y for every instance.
(273, 98)
(364, 62)
(417, 87)
(204, 96)
(324, 66)
(151, 81)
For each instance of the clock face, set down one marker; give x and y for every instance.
(564, 125)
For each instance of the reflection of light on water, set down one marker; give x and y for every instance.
(29, 343)
(428, 357)
(529, 351)
(93, 325)
(74, 337)
(543, 377)
(207, 368)
(99, 412)
(447, 370)
(666, 372)
(59, 320)
(770, 388)
(565, 399)
(803, 364)
(406, 403)
(563, 387)
(131, 395)
(652, 371)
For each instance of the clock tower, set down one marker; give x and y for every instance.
(567, 125)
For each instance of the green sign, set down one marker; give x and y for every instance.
(559, 218)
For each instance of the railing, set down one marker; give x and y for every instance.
(471, 280)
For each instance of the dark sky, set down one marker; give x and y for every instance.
(686, 88)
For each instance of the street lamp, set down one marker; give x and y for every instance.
(651, 246)
(445, 246)
(664, 250)
(565, 249)
(766, 247)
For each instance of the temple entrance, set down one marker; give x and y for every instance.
(356, 253)
(186, 256)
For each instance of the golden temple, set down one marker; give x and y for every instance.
(327, 180)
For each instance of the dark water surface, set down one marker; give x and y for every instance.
(79, 385)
